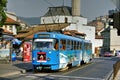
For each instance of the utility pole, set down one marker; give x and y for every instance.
(115, 20)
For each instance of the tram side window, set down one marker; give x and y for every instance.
(89, 46)
(72, 43)
(85, 46)
(69, 46)
(80, 45)
(75, 45)
(62, 45)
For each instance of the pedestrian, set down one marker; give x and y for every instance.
(114, 52)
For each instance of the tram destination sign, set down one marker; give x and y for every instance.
(43, 35)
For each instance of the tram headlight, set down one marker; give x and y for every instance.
(33, 58)
(48, 59)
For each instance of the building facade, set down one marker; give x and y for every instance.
(114, 40)
(11, 23)
(76, 22)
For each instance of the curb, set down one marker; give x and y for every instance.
(110, 75)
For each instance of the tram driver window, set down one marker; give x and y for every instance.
(56, 45)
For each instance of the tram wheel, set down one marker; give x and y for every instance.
(82, 62)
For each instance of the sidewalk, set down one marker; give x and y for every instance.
(117, 76)
(16, 67)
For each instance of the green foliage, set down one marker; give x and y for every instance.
(19, 28)
(2, 11)
(3, 18)
(3, 3)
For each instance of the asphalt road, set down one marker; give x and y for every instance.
(99, 69)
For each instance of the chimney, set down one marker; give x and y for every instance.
(75, 7)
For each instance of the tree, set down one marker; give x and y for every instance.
(2, 11)
(19, 28)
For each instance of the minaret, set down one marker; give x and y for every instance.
(117, 3)
(75, 7)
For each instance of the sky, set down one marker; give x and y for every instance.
(37, 8)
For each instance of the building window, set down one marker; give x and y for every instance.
(10, 28)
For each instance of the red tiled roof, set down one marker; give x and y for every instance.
(67, 33)
(73, 32)
(31, 36)
(10, 20)
(41, 28)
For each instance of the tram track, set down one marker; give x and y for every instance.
(65, 72)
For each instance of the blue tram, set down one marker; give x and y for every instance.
(57, 51)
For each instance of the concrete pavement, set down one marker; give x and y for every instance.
(16, 67)
(117, 76)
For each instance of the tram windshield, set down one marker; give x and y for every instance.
(43, 44)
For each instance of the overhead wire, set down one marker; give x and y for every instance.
(50, 9)
(54, 19)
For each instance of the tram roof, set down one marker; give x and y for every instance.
(59, 36)
(87, 41)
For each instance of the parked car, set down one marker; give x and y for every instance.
(107, 54)
(117, 53)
